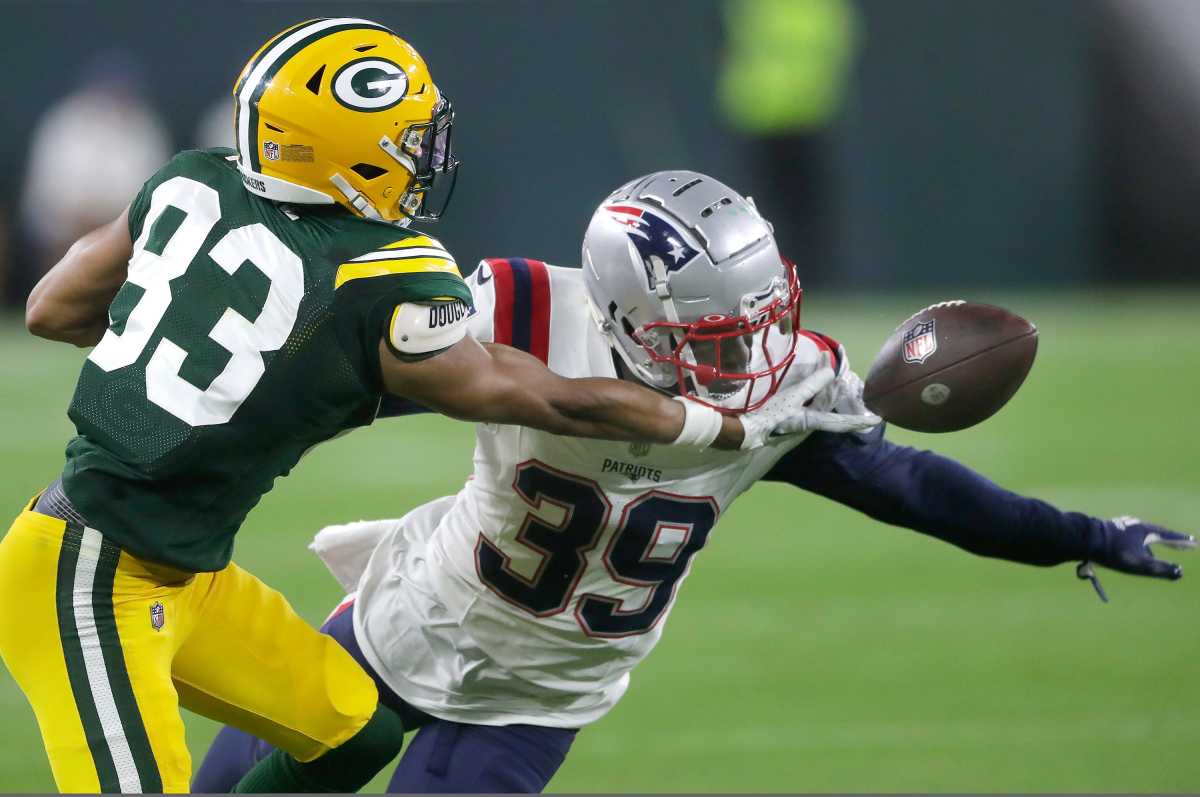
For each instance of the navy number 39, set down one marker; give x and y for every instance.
(629, 558)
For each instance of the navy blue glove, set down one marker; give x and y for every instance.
(1127, 549)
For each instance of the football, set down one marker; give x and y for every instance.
(950, 366)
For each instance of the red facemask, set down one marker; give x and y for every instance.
(733, 364)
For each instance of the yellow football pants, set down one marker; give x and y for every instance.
(107, 648)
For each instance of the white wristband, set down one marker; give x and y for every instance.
(701, 425)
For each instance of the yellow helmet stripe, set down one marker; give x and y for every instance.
(383, 268)
(405, 254)
(268, 64)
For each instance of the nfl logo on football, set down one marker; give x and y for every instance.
(920, 342)
(158, 615)
(271, 150)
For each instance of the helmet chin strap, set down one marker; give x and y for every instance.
(662, 290)
(360, 202)
(605, 327)
(397, 154)
(354, 197)
(400, 156)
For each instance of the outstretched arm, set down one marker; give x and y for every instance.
(492, 383)
(70, 303)
(935, 495)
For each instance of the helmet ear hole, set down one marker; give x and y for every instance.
(367, 171)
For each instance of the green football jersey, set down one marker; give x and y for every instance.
(247, 332)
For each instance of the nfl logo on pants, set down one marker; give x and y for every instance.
(158, 615)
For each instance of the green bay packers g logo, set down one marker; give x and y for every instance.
(370, 84)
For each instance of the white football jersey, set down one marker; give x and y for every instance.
(530, 595)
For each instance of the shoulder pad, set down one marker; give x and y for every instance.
(423, 328)
(824, 343)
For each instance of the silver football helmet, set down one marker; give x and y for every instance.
(685, 281)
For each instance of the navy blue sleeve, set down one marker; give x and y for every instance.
(934, 495)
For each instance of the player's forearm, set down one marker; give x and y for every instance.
(55, 316)
(940, 497)
(591, 407)
(609, 409)
(83, 336)
(934, 495)
(70, 303)
(492, 383)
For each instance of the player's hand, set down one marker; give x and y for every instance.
(847, 394)
(1127, 549)
(785, 412)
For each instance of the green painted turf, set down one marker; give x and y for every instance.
(814, 650)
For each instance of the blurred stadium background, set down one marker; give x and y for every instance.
(1039, 155)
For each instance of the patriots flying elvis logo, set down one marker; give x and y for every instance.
(653, 236)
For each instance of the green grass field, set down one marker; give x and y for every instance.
(812, 649)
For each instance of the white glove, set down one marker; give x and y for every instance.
(785, 412)
(846, 394)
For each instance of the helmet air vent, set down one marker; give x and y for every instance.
(367, 171)
(686, 186)
(314, 82)
(270, 126)
(708, 211)
(365, 47)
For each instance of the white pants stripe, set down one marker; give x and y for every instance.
(93, 658)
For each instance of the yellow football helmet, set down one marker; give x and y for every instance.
(344, 110)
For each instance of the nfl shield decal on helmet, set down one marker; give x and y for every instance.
(271, 150)
(920, 342)
(158, 615)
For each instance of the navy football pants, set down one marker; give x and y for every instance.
(443, 756)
